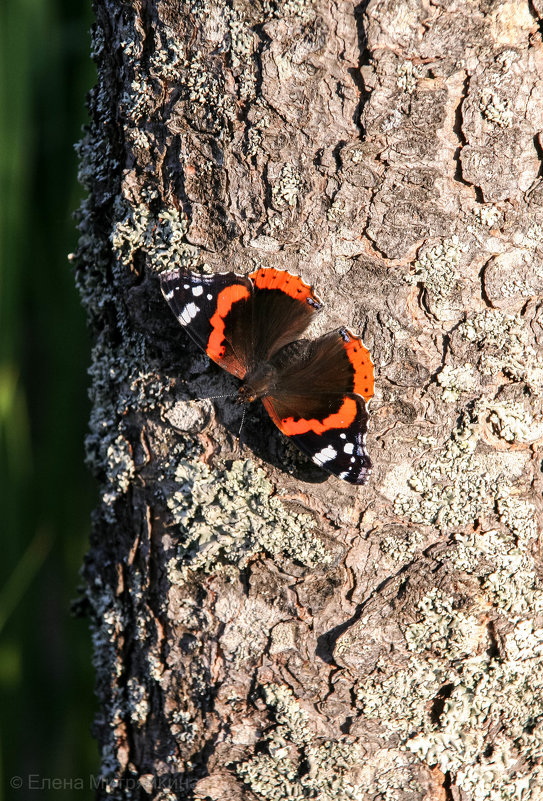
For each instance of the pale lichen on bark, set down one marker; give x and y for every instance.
(261, 632)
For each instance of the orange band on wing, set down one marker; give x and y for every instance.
(289, 426)
(360, 358)
(270, 278)
(225, 300)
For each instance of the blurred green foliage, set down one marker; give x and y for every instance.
(46, 678)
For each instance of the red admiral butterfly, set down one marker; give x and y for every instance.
(314, 391)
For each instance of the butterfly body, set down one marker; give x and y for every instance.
(260, 382)
(315, 391)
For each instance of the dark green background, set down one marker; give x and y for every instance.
(46, 678)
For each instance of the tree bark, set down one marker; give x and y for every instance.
(263, 631)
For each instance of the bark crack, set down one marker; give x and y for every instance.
(457, 130)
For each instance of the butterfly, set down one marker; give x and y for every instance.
(315, 391)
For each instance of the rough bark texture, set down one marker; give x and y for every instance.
(263, 631)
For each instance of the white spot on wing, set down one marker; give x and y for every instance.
(197, 290)
(168, 295)
(209, 297)
(188, 313)
(348, 447)
(326, 455)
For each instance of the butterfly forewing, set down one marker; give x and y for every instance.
(215, 310)
(283, 307)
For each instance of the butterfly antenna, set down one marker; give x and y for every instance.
(241, 426)
(215, 397)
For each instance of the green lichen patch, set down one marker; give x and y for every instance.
(488, 215)
(437, 269)
(225, 516)
(506, 346)
(402, 698)
(243, 45)
(407, 76)
(233, 25)
(452, 704)
(444, 630)
(449, 488)
(304, 10)
(123, 379)
(166, 63)
(119, 469)
(287, 188)
(496, 110)
(138, 701)
(260, 121)
(195, 73)
(208, 103)
(184, 728)
(288, 712)
(518, 514)
(458, 484)
(401, 544)
(160, 234)
(466, 701)
(504, 565)
(507, 691)
(456, 380)
(298, 764)
(511, 421)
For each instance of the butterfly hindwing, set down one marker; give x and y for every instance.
(342, 450)
(319, 402)
(332, 434)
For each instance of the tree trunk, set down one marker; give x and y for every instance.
(263, 631)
